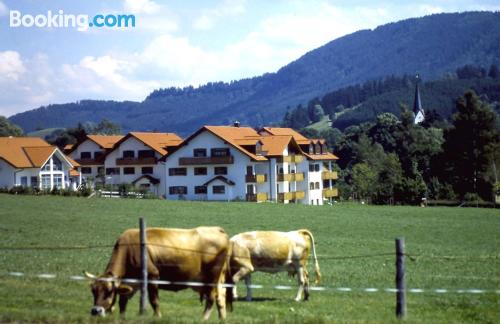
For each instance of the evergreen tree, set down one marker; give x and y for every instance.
(9, 129)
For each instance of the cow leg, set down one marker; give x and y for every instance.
(301, 282)
(242, 272)
(154, 299)
(209, 303)
(306, 284)
(122, 302)
(221, 301)
(248, 283)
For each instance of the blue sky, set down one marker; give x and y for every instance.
(176, 43)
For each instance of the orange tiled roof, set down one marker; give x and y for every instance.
(238, 136)
(275, 145)
(299, 138)
(157, 141)
(321, 157)
(105, 141)
(26, 152)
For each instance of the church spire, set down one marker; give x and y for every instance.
(417, 103)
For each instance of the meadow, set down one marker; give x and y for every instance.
(451, 248)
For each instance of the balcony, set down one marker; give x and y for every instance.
(293, 195)
(330, 192)
(89, 161)
(291, 158)
(291, 177)
(259, 197)
(136, 161)
(329, 175)
(206, 160)
(258, 178)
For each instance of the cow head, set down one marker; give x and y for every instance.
(105, 289)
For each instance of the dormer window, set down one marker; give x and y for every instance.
(317, 149)
(324, 148)
(258, 148)
(311, 148)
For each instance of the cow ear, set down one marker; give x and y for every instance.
(124, 289)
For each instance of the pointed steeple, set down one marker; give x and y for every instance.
(417, 103)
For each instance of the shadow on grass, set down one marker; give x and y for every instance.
(255, 299)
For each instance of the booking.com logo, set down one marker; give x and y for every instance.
(62, 20)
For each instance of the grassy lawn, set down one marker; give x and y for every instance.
(455, 248)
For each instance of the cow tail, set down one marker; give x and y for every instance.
(316, 264)
(229, 279)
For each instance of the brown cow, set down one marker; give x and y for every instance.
(180, 255)
(271, 251)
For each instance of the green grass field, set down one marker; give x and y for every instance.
(455, 248)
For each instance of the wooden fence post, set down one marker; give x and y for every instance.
(144, 267)
(400, 278)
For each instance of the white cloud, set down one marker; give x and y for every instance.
(3, 9)
(11, 66)
(141, 6)
(228, 8)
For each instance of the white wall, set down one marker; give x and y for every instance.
(87, 146)
(236, 171)
(6, 174)
(313, 196)
(132, 144)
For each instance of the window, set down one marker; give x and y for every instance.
(220, 170)
(177, 171)
(316, 167)
(250, 189)
(128, 154)
(177, 190)
(129, 170)
(58, 181)
(311, 149)
(200, 171)
(219, 151)
(24, 181)
(258, 148)
(34, 182)
(98, 154)
(45, 181)
(218, 190)
(311, 167)
(311, 185)
(249, 170)
(112, 171)
(317, 149)
(85, 155)
(200, 152)
(280, 171)
(324, 149)
(46, 167)
(56, 163)
(144, 185)
(147, 170)
(86, 170)
(200, 189)
(146, 153)
(316, 185)
(100, 171)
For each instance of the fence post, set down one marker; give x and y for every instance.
(400, 278)
(144, 267)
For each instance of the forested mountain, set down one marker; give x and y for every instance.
(432, 45)
(364, 102)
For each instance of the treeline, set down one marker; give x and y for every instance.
(363, 102)
(392, 160)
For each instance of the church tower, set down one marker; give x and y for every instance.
(418, 111)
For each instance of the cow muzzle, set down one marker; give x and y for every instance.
(98, 311)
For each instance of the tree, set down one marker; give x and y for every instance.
(364, 179)
(318, 113)
(106, 127)
(9, 129)
(389, 179)
(493, 72)
(470, 146)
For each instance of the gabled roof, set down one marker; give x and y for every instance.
(159, 142)
(28, 152)
(105, 142)
(275, 145)
(151, 179)
(219, 178)
(299, 138)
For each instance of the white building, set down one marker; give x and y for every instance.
(136, 159)
(90, 154)
(238, 163)
(32, 162)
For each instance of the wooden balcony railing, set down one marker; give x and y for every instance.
(258, 178)
(136, 161)
(206, 160)
(291, 158)
(293, 195)
(329, 175)
(330, 192)
(259, 197)
(291, 177)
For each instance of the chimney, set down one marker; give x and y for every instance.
(236, 123)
